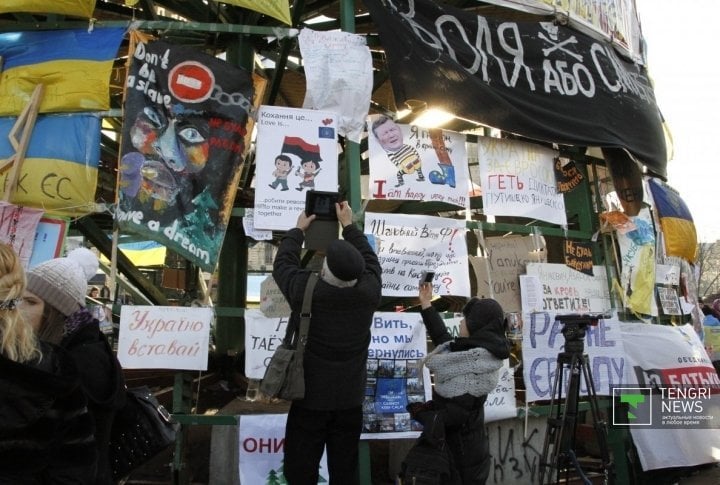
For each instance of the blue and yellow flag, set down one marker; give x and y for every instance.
(76, 8)
(279, 9)
(59, 173)
(73, 65)
(675, 220)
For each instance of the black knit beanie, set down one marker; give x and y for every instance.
(344, 260)
(485, 321)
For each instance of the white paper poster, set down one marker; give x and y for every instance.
(262, 336)
(262, 447)
(518, 180)
(543, 341)
(682, 362)
(296, 152)
(408, 244)
(164, 337)
(408, 162)
(565, 290)
(339, 77)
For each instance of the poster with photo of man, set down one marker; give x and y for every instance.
(408, 162)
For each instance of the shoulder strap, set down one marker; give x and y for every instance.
(305, 315)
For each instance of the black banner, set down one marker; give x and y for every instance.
(536, 79)
(182, 148)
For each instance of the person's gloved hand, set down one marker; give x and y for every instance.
(416, 409)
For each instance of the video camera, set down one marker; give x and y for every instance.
(575, 326)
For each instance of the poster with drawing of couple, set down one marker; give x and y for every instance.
(296, 152)
(406, 245)
(408, 162)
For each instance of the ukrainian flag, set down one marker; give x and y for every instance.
(142, 253)
(59, 173)
(73, 65)
(675, 220)
(76, 8)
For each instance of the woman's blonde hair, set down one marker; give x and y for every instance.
(17, 338)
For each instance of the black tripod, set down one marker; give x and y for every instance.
(559, 459)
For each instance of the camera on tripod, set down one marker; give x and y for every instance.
(575, 326)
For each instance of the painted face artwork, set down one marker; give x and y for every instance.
(180, 142)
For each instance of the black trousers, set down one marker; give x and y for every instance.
(308, 432)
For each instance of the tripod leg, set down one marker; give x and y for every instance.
(599, 425)
(553, 431)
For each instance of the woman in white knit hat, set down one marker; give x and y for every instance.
(46, 432)
(55, 303)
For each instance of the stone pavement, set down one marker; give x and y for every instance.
(707, 475)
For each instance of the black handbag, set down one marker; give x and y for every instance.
(141, 429)
(285, 377)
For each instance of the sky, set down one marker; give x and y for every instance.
(682, 46)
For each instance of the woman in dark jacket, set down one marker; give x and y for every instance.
(55, 295)
(46, 432)
(466, 370)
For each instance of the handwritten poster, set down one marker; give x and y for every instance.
(565, 290)
(263, 335)
(296, 152)
(408, 162)
(272, 301)
(579, 256)
(348, 90)
(505, 260)
(408, 244)
(518, 180)
(262, 447)
(164, 337)
(543, 340)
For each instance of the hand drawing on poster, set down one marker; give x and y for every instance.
(408, 162)
(408, 244)
(296, 152)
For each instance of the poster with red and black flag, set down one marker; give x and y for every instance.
(182, 148)
(540, 80)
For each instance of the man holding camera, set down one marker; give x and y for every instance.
(344, 301)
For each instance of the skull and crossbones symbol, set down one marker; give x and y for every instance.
(555, 44)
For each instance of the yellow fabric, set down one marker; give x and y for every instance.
(70, 86)
(680, 237)
(57, 186)
(279, 9)
(644, 283)
(77, 8)
(144, 257)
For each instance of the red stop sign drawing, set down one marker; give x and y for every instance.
(191, 82)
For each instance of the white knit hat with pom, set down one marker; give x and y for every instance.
(62, 282)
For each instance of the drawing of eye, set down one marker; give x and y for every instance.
(191, 135)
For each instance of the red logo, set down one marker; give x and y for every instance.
(191, 82)
(327, 121)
